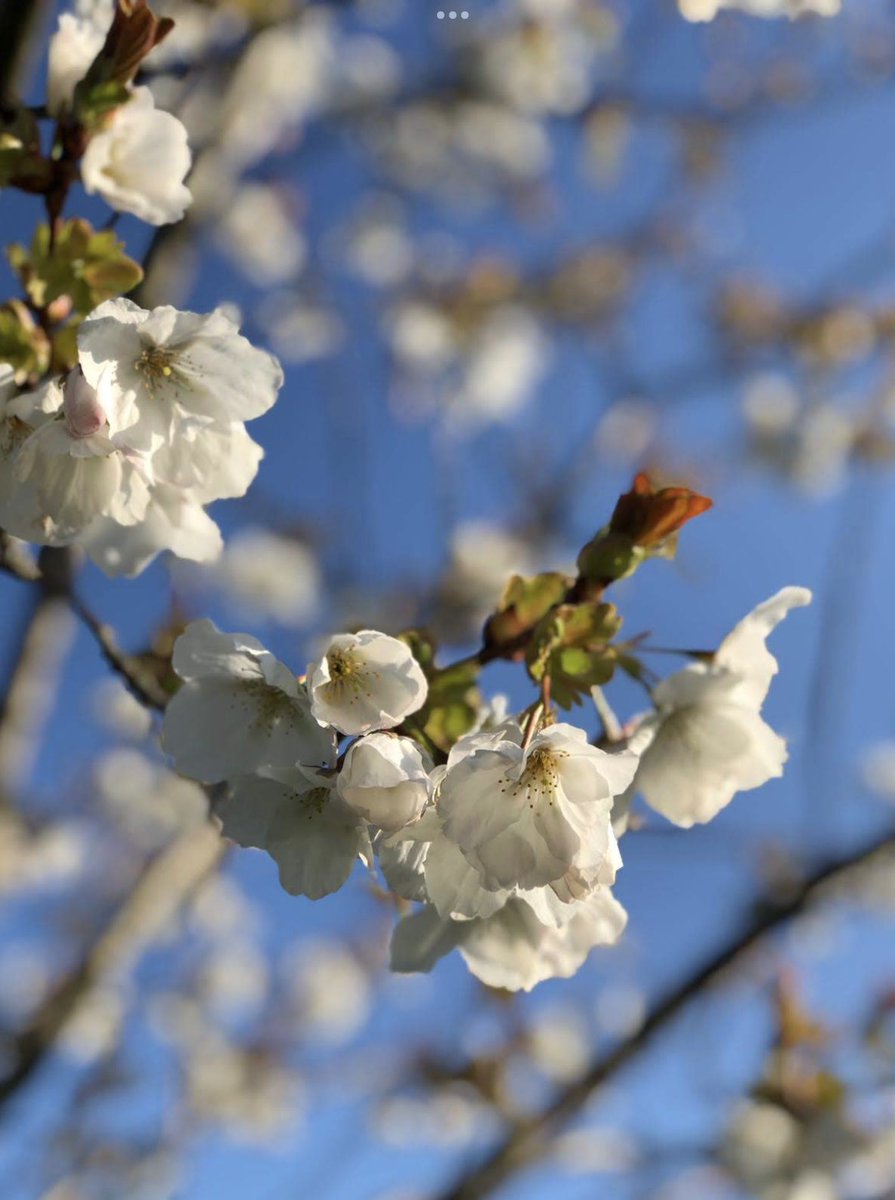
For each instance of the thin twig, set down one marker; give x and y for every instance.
(140, 682)
(143, 685)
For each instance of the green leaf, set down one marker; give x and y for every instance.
(524, 603)
(453, 702)
(23, 344)
(21, 161)
(422, 647)
(65, 349)
(82, 267)
(570, 647)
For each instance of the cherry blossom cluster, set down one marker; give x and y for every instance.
(138, 157)
(508, 844)
(118, 425)
(122, 453)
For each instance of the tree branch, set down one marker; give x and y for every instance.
(55, 578)
(531, 1141)
(29, 691)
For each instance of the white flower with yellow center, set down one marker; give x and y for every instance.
(534, 816)
(139, 160)
(162, 375)
(366, 681)
(707, 740)
(385, 779)
(239, 710)
(301, 821)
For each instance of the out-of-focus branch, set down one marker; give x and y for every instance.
(55, 579)
(531, 1140)
(29, 691)
(18, 19)
(165, 884)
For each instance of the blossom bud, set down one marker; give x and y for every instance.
(647, 516)
(84, 415)
(385, 780)
(644, 523)
(135, 31)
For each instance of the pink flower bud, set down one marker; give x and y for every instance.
(84, 415)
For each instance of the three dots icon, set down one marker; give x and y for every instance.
(452, 15)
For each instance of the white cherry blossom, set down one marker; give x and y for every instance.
(239, 710)
(529, 939)
(385, 779)
(300, 820)
(202, 464)
(78, 465)
(139, 160)
(67, 470)
(73, 47)
(402, 862)
(162, 371)
(707, 740)
(421, 938)
(535, 816)
(505, 365)
(207, 462)
(420, 863)
(548, 72)
(172, 522)
(454, 886)
(366, 681)
(123, 455)
(517, 950)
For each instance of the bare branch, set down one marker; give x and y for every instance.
(54, 576)
(30, 690)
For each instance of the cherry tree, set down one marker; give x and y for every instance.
(372, 754)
